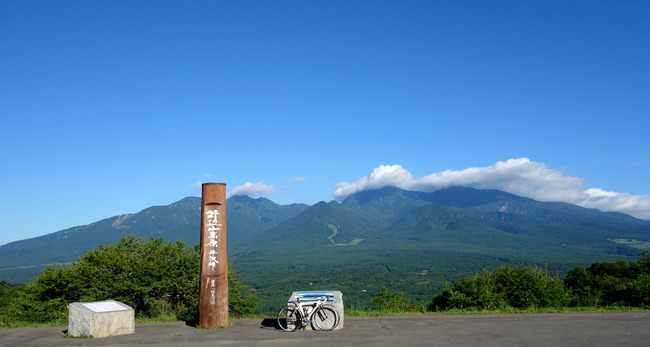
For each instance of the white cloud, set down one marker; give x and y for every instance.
(253, 190)
(517, 176)
(298, 179)
(197, 184)
(635, 205)
(383, 176)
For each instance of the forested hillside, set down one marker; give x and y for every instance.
(399, 239)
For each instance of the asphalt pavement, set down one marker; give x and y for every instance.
(566, 329)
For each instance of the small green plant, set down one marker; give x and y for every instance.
(391, 301)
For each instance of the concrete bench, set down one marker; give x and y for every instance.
(334, 298)
(100, 319)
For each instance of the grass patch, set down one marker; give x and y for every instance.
(363, 313)
(161, 318)
(355, 241)
(633, 243)
(545, 310)
(5, 324)
(469, 311)
(355, 313)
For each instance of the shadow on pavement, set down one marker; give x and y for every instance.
(270, 323)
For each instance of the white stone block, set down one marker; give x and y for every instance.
(100, 319)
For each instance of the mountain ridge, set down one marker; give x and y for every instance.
(487, 222)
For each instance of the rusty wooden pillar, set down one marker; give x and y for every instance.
(213, 294)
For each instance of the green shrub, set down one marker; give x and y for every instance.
(45, 299)
(621, 283)
(156, 278)
(507, 287)
(391, 301)
(530, 287)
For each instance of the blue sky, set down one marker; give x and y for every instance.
(109, 107)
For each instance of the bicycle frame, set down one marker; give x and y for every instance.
(308, 309)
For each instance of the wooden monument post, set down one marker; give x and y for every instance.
(213, 294)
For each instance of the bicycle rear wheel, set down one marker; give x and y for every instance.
(289, 318)
(326, 318)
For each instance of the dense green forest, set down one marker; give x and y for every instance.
(160, 279)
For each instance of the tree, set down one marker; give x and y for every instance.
(507, 287)
(43, 300)
(625, 283)
(530, 287)
(391, 301)
(240, 302)
(7, 292)
(155, 277)
(583, 287)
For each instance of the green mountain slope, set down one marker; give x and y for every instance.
(249, 218)
(22, 260)
(404, 240)
(409, 241)
(321, 224)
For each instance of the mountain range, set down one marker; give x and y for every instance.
(407, 240)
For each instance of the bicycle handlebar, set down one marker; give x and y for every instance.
(320, 298)
(323, 297)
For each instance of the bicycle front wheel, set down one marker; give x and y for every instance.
(289, 318)
(326, 318)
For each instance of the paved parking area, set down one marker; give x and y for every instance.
(571, 329)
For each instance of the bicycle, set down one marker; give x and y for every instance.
(298, 315)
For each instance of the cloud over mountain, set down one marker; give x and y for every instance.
(253, 190)
(517, 176)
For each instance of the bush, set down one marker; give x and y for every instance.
(7, 292)
(240, 302)
(391, 301)
(530, 287)
(607, 283)
(478, 291)
(154, 277)
(508, 287)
